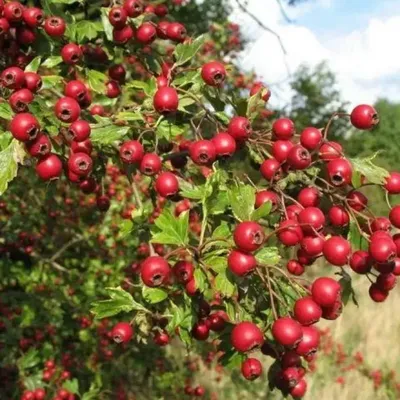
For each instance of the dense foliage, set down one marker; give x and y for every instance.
(150, 198)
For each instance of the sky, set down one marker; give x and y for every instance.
(358, 39)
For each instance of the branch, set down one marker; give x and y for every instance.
(64, 248)
(266, 28)
(283, 12)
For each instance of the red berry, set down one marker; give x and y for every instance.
(267, 195)
(311, 138)
(123, 35)
(131, 152)
(55, 26)
(80, 164)
(40, 146)
(82, 147)
(217, 321)
(293, 211)
(312, 245)
(299, 158)
(295, 268)
(239, 128)
(33, 81)
(67, 109)
(79, 130)
(380, 224)
(25, 36)
(199, 391)
(201, 330)
(287, 332)
(394, 216)
(257, 87)
(360, 262)
(299, 390)
(71, 53)
(202, 152)
(146, 33)
(246, 336)
(307, 311)
(161, 338)
(382, 249)
(183, 271)
(378, 294)
(338, 216)
(103, 203)
(289, 232)
(13, 11)
(4, 26)
(176, 32)
(133, 7)
(392, 184)
(309, 197)
(386, 281)
(332, 313)
(330, 151)
(122, 332)
(340, 172)
(281, 149)
(118, 17)
(33, 17)
(20, 100)
(113, 90)
(251, 369)
(241, 263)
(325, 291)
(357, 200)
(248, 236)
(40, 394)
(224, 144)
(49, 167)
(97, 109)
(155, 271)
(337, 250)
(271, 169)
(364, 117)
(309, 343)
(213, 73)
(312, 220)
(151, 164)
(76, 90)
(283, 129)
(162, 29)
(13, 77)
(117, 73)
(166, 100)
(167, 184)
(24, 127)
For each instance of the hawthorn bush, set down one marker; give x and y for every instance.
(148, 196)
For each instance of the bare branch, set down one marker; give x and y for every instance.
(283, 12)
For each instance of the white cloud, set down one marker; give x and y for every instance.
(365, 60)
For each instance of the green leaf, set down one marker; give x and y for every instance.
(201, 279)
(168, 130)
(225, 284)
(232, 360)
(107, 134)
(242, 198)
(185, 336)
(184, 52)
(372, 172)
(356, 239)
(52, 61)
(347, 289)
(33, 382)
(255, 105)
(261, 212)
(170, 229)
(154, 295)
(72, 386)
(189, 77)
(219, 264)
(125, 228)
(185, 101)
(190, 191)
(5, 111)
(178, 316)
(92, 394)
(8, 164)
(96, 80)
(108, 28)
(50, 81)
(130, 116)
(34, 65)
(222, 117)
(222, 231)
(29, 359)
(120, 301)
(268, 256)
(87, 29)
(218, 203)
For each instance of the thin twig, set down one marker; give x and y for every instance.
(267, 284)
(58, 253)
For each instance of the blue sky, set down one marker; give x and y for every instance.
(357, 38)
